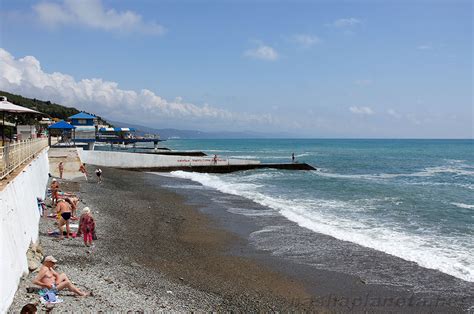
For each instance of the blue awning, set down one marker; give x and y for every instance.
(61, 125)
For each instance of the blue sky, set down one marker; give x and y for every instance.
(308, 68)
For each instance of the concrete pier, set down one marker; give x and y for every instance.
(166, 163)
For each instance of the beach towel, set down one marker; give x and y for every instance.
(44, 301)
(41, 206)
(56, 234)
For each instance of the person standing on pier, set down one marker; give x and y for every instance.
(61, 169)
(293, 157)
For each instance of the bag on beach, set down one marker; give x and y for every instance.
(49, 296)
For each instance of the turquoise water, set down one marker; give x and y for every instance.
(413, 199)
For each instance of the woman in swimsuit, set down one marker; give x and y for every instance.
(61, 169)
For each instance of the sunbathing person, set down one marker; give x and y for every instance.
(65, 212)
(48, 278)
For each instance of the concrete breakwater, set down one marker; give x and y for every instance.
(19, 216)
(229, 168)
(138, 160)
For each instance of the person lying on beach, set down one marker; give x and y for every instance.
(48, 278)
(98, 173)
(54, 191)
(83, 169)
(86, 226)
(61, 169)
(65, 212)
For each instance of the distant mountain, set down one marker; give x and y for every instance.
(62, 112)
(196, 134)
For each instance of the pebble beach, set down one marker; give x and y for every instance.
(123, 275)
(156, 251)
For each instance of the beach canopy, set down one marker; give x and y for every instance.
(61, 125)
(6, 106)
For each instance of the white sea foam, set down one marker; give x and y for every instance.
(185, 186)
(252, 212)
(451, 255)
(458, 170)
(462, 205)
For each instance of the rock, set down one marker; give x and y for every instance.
(33, 265)
(134, 264)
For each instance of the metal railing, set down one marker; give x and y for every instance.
(14, 155)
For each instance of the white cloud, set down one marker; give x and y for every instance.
(262, 52)
(25, 76)
(92, 14)
(306, 40)
(363, 110)
(346, 22)
(394, 114)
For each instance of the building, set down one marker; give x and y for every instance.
(115, 133)
(85, 127)
(26, 132)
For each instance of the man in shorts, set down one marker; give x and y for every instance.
(65, 212)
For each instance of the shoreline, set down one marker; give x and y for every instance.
(158, 249)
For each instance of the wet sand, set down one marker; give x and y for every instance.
(158, 251)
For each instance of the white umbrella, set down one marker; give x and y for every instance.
(6, 106)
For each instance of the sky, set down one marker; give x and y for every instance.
(318, 69)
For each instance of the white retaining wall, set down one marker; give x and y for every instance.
(19, 218)
(137, 160)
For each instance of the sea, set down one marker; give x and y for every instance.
(410, 199)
